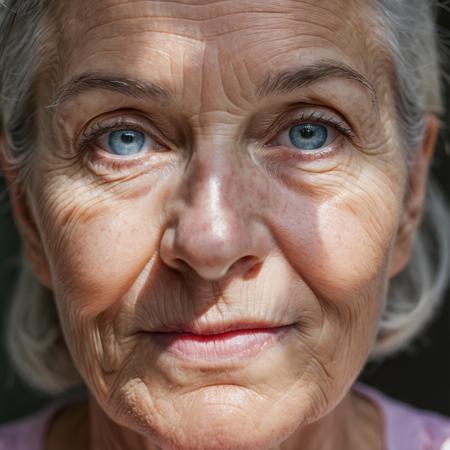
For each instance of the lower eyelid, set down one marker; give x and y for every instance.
(102, 161)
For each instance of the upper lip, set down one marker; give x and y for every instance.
(218, 328)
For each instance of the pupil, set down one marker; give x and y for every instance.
(127, 138)
(307, 132)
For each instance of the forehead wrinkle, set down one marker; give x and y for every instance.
(120, 27)
(216, 26)
(210, 19)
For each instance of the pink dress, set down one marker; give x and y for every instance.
(405, 428)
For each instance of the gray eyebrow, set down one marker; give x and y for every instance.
(290, 80)
(280, 83)
(94, 80)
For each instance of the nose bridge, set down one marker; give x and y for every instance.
(213, 218)
(214, 181)
(213, 224)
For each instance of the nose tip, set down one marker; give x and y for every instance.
(247, 266)
(213, 256)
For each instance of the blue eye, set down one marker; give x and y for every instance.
(308, 136)
(126, 142)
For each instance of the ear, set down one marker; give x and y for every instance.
(415, 198)
(23, 217)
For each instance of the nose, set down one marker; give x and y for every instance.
(214, 228)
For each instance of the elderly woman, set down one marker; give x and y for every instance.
(219, 205)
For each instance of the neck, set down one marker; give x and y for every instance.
(353, 424)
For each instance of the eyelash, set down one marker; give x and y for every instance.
(322, 118)
(99, 130)
(88, 139)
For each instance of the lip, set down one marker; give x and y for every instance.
(229, 345)
(219, 328)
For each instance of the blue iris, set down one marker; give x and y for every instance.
(126, 142)
(308, 136)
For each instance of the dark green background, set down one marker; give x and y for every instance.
(420, 375)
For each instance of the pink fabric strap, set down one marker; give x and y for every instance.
(30, 432)
(406, 427)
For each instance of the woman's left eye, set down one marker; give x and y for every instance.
(127, 142)
(307, 136)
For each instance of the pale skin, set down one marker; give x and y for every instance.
(220, 217)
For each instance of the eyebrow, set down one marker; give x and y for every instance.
(281, 83)
(290, 80)
(110, 82)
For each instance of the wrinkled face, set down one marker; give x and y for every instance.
(208, 166)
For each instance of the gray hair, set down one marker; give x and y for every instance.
(406, 28)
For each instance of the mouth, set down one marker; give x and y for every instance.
(221, 342)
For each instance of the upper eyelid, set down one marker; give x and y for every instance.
(266, 126)
(324, 116)
(282, 124)
(152, 122)
(105, 126)
(119, 122)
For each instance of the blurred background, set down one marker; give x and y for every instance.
(419, 375)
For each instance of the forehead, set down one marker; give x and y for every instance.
(238, 38)
(203, 19)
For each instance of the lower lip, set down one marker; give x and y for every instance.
(216, 347)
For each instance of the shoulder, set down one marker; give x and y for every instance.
(27, 433)
(407, 427)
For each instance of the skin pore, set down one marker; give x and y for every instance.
(219, 218)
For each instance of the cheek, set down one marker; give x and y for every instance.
(101, 246)
(346, 223)
(351, 246)
(98, 241)
(103, 256)
(340, 244)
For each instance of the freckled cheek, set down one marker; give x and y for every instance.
(355, 248)
(96, 261)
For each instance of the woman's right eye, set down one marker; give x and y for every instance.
(127, 142)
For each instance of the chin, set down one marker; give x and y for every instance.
(211, 420)
(223, 434)
(223, 425)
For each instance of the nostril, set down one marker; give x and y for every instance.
(180, 265)
(253, 271)
(248, 266)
